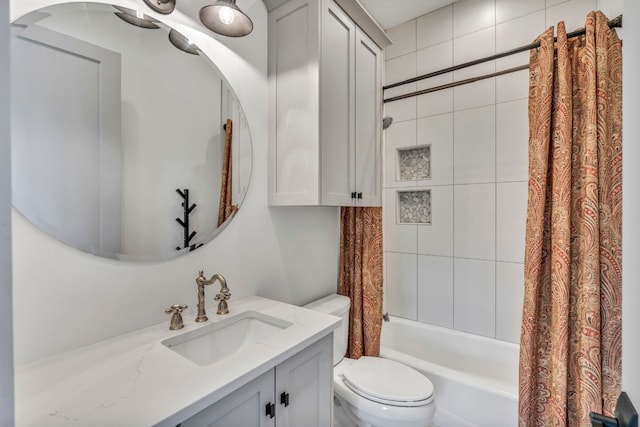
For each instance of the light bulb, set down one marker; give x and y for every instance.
(226, 15)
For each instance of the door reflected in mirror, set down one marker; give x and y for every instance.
(111, 123)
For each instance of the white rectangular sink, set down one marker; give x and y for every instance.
(218, 340)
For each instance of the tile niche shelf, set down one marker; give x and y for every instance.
(414, 207)
(414, 163)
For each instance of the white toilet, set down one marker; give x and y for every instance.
(371, 391)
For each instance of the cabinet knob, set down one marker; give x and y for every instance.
(271, 410)
(284, 399)
(353, 195)
(359, 195)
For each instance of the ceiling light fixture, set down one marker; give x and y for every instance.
(183, 43)
(225, 17)
(161, 6)
(135, 17)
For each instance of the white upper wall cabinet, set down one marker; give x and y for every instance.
(325, 107)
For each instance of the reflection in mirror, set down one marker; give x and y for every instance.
(109, 120)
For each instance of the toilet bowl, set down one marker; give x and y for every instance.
(371, 391)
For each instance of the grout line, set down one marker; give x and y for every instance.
(415, 142)
(495, 185)
(453, 211)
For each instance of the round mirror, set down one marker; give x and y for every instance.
(127, 142)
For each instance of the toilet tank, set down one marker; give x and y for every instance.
(337, 305)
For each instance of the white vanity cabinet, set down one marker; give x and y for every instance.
(240, 408)
(296, 393)
(325, 107)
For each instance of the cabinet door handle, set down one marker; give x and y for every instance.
(271, 410)
(359, 195)
(284, 399)
(353, 195)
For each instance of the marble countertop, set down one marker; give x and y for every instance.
(134, 380)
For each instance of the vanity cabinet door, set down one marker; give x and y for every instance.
(304, 387)
(245, 407)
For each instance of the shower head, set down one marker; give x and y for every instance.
(386, 122)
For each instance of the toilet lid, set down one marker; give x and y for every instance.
(387, 381)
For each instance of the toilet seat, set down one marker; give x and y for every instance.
(388, 382)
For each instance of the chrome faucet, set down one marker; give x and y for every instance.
(221, 297)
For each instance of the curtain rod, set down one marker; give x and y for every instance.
(614, 23)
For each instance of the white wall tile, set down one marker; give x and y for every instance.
(435, 290)
(549, 3)
(399, 90)
(512, 141)
(573, 13)
(472, 15)
(432, 59)
(511, 215)
(474, 145)
(611, 8)
(403, 37)
(398, 135)
(512, 61)
(438, 102)
(400, 68)
(512, 86)
(467, 48)
(474, 225)
(435, 57)
(475, 45)
(437, 238)
(437, 131)
(510, 9)
(509, 298)
(402, 284)
(519, 32)
(435, 27)
(397, 70)
(402, 110)
(397, 237)
(474, 296)
(477, 94)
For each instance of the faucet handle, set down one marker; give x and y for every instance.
(176, 309)
(222, 297)
(176, 319)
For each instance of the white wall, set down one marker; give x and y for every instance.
(64, 299)
(464, 271)
(631, 205)
(6, 315)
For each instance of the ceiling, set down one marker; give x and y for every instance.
(389, 13)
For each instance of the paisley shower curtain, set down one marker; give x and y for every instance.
(360, 277)
(570, 351)
(226, 208)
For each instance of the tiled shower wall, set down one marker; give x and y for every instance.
(464, 269)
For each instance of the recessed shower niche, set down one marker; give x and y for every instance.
(414, 163)
(414, 207)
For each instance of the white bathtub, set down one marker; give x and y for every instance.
(475, 378)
